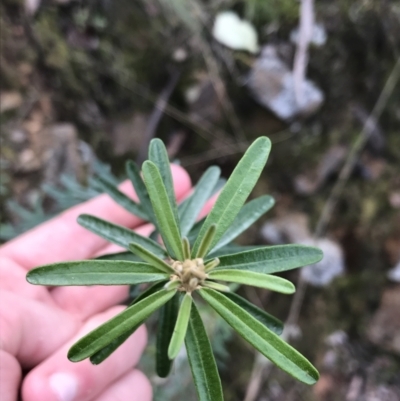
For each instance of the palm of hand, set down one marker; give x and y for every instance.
(30, 313)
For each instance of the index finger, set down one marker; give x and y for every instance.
(61, 238)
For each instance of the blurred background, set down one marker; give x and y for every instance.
(85, 85)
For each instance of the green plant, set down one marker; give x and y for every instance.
(196, 257)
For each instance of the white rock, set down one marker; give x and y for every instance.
(318, 38)
(271, 83)
(394, 274)
(235, 33)
(332, 265)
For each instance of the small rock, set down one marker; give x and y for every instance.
(331, 266)
(179, 55)
(28, 161)
(271, 83)
(292, 227)
(10, 101)
(394, 199)
(31, 6)
(394, 274)
(318, 38)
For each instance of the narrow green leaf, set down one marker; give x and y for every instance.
(263, 317)
(172, 285)
(261, 338)
(149, 291)
(119, 235)
(186, 248)
(216, 286)
(192, 206)
(195, 230)
(255, 279)
(236, 190)
(212, 264)
(165, 328)
(271, 259)
(231, 249)
(167, 223)
(201, 360)
(159, 156)
(95, 272)
(247, 215)
(133, 173)
(117, 326)
(218, 186)
(120, 256)
(105, 352)
(148, 257)
(206, 242)
(119, 197)
(178, 336)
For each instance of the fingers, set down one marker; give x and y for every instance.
(31, 330)
(13, 279)
(86, 301)
(134, 386)
(10, 376)
(62, 239)
(58, 379)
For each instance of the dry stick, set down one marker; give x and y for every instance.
(262, 366)
(156, 115)
(301, 56)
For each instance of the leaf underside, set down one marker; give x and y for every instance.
(261, 338)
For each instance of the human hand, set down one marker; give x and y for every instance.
(39, 324)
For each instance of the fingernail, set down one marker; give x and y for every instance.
(64, 385)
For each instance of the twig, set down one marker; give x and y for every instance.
(306, 27)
